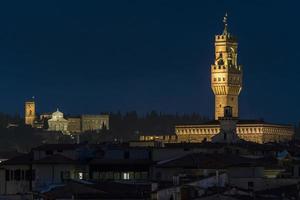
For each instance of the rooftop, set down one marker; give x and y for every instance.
(97, 161)
(212, 161)
(107, 190)
(46, 147)
(19, 160)
(240, 122)
(55, 159)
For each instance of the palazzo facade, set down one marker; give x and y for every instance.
(226, 84)
(253, 131)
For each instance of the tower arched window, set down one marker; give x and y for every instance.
(220, 61)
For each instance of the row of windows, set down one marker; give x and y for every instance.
(224, 79)
(19, 175)
(165, 137)
(239, 130)
(94, 121)
(219, 79)
(216, 130)
(223, 67)
(220, 67)
(110, 175)
(198, 130)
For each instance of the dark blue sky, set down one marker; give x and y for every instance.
(94, 56)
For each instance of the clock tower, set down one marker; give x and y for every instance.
(30, 112)
(226, 73)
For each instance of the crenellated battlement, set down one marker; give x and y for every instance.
(225, 38)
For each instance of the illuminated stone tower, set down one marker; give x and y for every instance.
(226, 74)
(30, 112)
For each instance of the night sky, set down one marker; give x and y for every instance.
(97, 56)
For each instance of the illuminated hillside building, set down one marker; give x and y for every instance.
(226, 84)
(30, 112)
(58, 122)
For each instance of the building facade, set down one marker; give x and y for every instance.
(88, 123)
(74, 125)
(30, 112)
(58, 122)
(249, 130)
(94, 122)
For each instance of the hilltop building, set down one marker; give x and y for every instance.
(30, 112)
(80, 124)
(74, 124)
(94, 122)
(58, 122)
(226, 84)
(86, 123)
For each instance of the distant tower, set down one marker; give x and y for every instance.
(30, 112)
(226, 74)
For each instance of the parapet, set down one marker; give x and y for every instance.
(224, 38)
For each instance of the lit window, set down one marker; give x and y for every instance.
(125, 176)
(80, 175)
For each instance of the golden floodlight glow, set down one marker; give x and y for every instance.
(226, 74)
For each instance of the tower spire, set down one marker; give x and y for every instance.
(225, 32)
